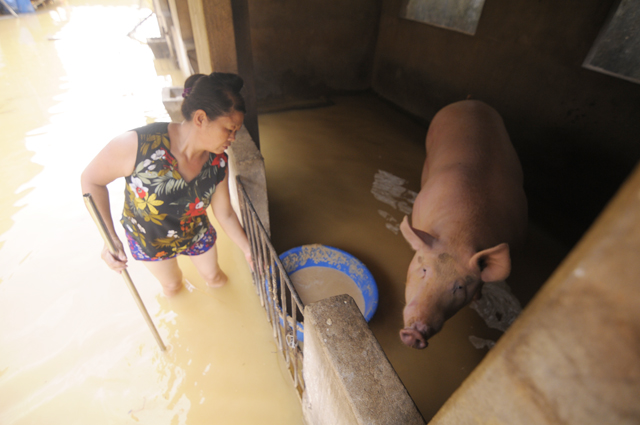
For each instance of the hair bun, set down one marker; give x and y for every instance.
(216, 94)
(191, 81)
(226, 80)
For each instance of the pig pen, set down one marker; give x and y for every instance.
(535, 374)
(345, 175)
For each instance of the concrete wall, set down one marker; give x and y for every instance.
(306, 48)
(573, 356)
(576, 130)
(348, 378)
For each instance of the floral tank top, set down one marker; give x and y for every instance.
(163, 213)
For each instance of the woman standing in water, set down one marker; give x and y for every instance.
(173, 172)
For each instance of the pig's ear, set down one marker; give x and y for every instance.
(494, 263)
(416, 238)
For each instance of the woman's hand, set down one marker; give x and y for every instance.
(116, 262)
(249, 258)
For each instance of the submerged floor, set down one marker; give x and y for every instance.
(73, 346)
(342, 176)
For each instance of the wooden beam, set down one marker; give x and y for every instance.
(181, 34)
(242, 33)
(200, 36)
(573, 356)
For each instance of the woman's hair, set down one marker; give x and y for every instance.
(217, 94)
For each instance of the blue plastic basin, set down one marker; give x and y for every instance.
(325, 256)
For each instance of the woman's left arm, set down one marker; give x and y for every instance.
(226, 216)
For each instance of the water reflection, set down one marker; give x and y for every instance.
(74, 347)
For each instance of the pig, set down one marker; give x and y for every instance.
(471, 211)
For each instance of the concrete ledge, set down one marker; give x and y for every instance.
(246, 161)
(159, 47)
(348, 378)
(172, 100)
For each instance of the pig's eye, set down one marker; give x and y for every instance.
(457, 287)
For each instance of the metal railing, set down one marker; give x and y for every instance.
(277, 294)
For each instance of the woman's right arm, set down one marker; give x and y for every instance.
(117, 159)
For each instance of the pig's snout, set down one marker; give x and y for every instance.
(413, 338)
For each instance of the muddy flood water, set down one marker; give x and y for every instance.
(73, 346)
(74, 349)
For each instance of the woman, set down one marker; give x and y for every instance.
(174, 171)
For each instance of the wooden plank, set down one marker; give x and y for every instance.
(574, 354)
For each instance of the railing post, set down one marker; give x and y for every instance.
(274, 288)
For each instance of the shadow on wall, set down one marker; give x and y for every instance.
(575, 130)
(567, 186)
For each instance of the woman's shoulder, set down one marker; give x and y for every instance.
(152, 136)
(153, 128)
(120, 153)
(125, 141)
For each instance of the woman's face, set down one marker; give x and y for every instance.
(221, 132)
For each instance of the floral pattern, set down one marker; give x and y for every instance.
(163, 214)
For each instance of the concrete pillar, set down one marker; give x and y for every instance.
(573, 356)
(222, 39)
(348, 378)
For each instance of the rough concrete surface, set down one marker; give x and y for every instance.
(349, 379)
(246, 161)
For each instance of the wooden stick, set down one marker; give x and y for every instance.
(97, 218)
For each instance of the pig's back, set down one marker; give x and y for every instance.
(471, 133)
(473, 172)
